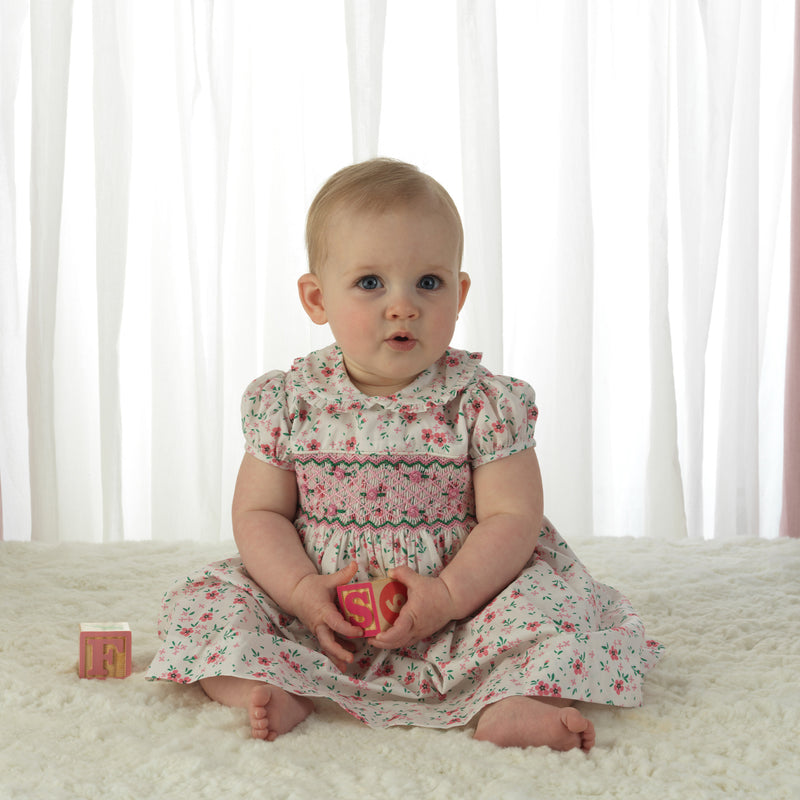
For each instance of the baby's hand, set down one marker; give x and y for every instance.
(427, 610)
(313, 603)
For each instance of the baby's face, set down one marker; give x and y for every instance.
(391, 290)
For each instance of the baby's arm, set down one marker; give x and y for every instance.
(509, 508)
(264, 505)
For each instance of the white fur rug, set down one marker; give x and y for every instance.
(721, 717)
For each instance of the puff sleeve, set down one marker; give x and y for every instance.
(266, 419)
(504, 417)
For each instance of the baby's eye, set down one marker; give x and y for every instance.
(429, 282)
(369, 282)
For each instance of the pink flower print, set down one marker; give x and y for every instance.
(264, 661)
(453, 361)
(427, 435)
(213, 658)
(567, 627)
(533, 626)
(440, 417)
(499, 427)
(555, 690)
(350, 444)
(240, 601)
(174, 675)
(425, 687)
(652, 644)
(533, 412)
(477, 404)
(407, 415)
(577, 667)
(206, 617)
(314, 445)
(614, 653)
(302, 414)
(408, 678)
(333, 408)
(384, 670)
(542, 689)
(363, 662)
(185, 631)
(328, 371)
(619, 686)
(483, 651)
(439, 439)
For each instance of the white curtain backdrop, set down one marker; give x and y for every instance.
(623, 173)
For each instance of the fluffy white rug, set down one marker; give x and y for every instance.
(721, 717)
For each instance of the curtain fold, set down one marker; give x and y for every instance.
(113, 112)
(480, 167)
(571, 406)
(706, 78)
(790, 515)
(13, 281)
(622, 172)
(50, 32)
(365, 25)
(665, 516)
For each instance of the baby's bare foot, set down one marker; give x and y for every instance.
(273, 711)
(528, 722)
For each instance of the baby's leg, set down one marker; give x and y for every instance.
(272, 711)
(533, 722)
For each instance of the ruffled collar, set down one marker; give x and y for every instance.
(321, 379)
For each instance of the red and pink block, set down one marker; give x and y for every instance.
(372, 605)
(105, 650)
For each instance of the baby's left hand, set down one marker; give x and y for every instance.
(427, 610)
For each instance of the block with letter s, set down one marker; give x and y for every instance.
(372, 605)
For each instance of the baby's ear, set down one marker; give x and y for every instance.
(310, 290)
(464, 283)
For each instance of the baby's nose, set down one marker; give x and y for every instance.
(402, 306)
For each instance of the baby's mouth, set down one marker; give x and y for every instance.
(401, 341)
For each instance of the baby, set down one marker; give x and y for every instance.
(390, 453)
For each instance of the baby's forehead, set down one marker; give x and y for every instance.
(351, 210)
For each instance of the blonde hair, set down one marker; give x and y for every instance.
(372, 186)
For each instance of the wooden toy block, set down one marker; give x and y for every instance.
(105, 650)
(372, 605)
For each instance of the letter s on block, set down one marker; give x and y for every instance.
(358, 608)
(392, 598)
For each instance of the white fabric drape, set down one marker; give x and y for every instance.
(623, 174)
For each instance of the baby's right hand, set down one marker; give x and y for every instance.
(313, 603)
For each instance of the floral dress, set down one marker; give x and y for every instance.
(387, 481)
